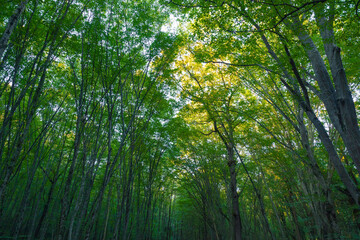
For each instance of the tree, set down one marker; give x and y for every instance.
(179, 119)
(237, 21)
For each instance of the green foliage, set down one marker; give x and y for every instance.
(111, 127)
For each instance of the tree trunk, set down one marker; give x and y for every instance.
(348, 128)
(234, 195)
(10, 27)
(326, 209)
(338, 101)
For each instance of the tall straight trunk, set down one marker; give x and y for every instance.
(128, 197)
(49, 198)
(73, 162)
(139, 232)
(327, 95)
(228, 140)
(168, 228)
(258, 195)
(326, 209)
(346, 113)
(334, 157)
(320, 70)
(89, 170)
(118, 214)
(24, 201)
(338, 100)
(107, 213)
(81, 106)
(237, 227)
(79, 203)
(10, 27)
(272, 201)
(23, 135)
(45, 208)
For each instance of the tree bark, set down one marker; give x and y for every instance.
(338, 100)
(234, 195)
(10, 27)
(349, 130)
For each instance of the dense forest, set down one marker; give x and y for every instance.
(179, 119)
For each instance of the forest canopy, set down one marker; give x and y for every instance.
(179, 119)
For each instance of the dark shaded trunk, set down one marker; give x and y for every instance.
(234, 195)
(10, 27)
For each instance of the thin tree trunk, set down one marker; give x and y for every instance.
(272, 201)
(10, 27)
(24, 201)
(237, 227)
(107, 213)
(326, 211)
